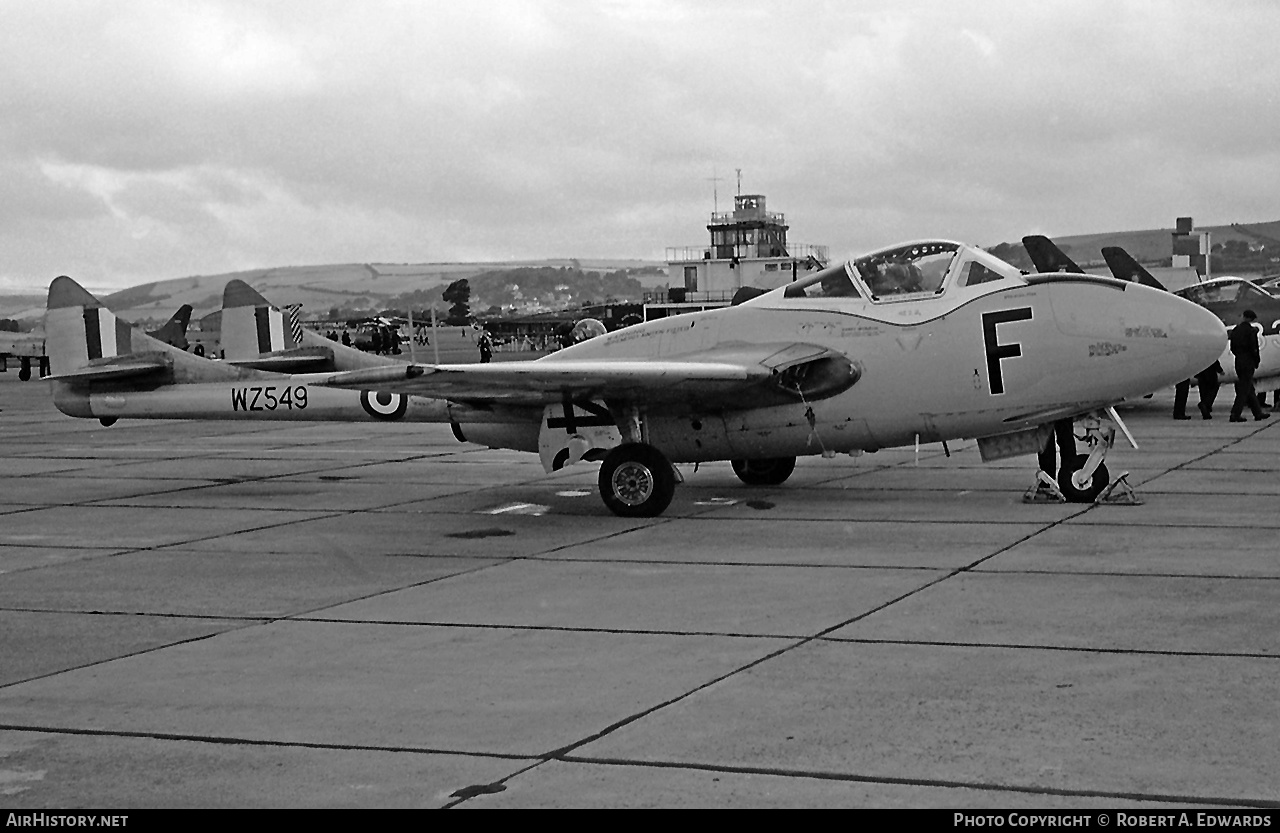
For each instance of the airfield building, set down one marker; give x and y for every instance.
(748, 248)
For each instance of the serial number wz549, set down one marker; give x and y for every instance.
(268, 398)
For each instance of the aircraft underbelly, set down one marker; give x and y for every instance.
(793, 430)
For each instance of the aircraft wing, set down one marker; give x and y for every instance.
(708, 380)
(130, 365)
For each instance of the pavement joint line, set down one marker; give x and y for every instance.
(827, 775)
(1113, 574)
(310, 617)
(636, 716)
(287, 744)
(547, 628)
(1030, 646)
(1221, 448)
(137, 653)
(475, 569)
(536, 760)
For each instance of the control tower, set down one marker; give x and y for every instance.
(748, 248)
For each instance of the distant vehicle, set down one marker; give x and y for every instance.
(372, 335)
(932, 340)
(27, 349)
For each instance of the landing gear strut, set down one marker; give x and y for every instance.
(1084, 478)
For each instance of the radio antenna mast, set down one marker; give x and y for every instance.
(715, 189)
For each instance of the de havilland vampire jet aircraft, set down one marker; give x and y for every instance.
(932, 341)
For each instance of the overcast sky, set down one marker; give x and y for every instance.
(149, 140)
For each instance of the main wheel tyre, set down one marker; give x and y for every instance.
(767, 471)
(636, 481)
(1101, 477)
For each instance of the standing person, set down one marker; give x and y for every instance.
(1244, 346)
(1047, 487)
(486, 347)
(1208, 382)
(1180, 392)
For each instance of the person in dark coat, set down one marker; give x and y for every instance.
(1180, 392)
(1208, 382)
(1244, 346)
(1064, 439)
(486, 347)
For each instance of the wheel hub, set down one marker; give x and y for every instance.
(633, 483)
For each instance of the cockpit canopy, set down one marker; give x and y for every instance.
(1225, 291)
(917, 270)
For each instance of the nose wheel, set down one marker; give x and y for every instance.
(1086, 487)
(636, 481)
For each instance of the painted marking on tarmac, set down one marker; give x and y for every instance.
(519, 509)
(716, 501)
(573, 493)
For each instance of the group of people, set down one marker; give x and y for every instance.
(382, 340)
(1243, 339)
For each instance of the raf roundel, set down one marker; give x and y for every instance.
(381, 405)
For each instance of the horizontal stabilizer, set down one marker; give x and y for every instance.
(128, 366)
(299, 360)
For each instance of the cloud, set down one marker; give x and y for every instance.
(149, 140)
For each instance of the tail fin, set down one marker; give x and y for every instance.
(174, 331)
(1046, 255)
(1124, 267)
(251, 326)
(257, 334)
(88, 343)
(79, 329)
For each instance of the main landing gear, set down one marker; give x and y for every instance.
(636, 481)
(768, 471)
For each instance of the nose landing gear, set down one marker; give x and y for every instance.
(1084, 478)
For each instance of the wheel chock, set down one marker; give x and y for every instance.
(1119, 493)
(1044, 490)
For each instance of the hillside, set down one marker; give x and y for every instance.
(1246, 248)
(1249, 249)
(321, 288)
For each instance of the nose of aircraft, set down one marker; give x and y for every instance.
(1149, 338)
(1198, 333)
(1191, 330)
